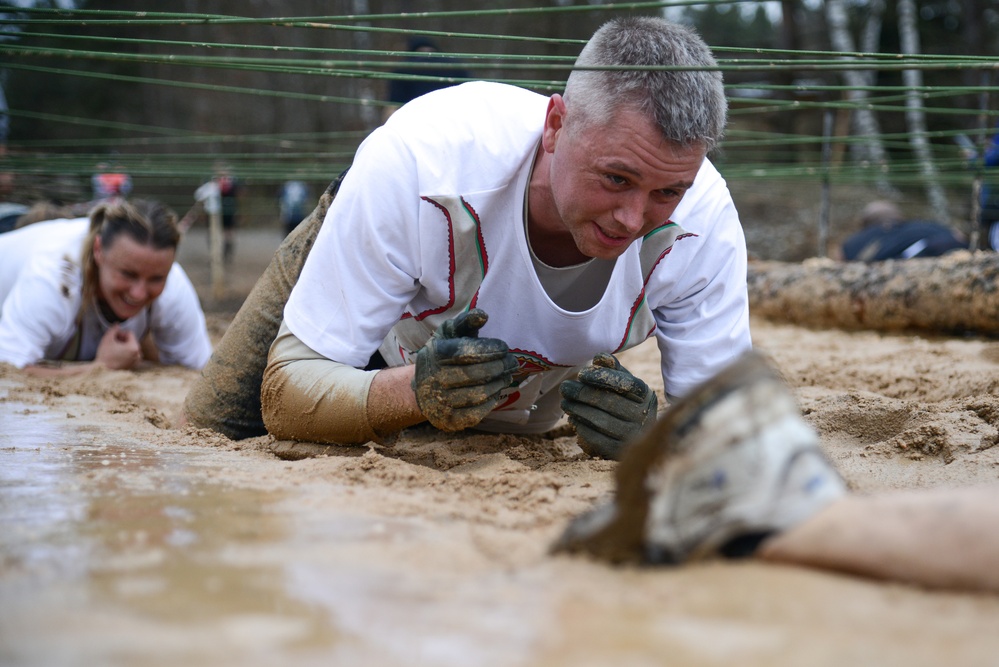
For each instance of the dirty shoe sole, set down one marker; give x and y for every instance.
(671, 499)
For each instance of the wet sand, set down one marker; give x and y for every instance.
(128, 541)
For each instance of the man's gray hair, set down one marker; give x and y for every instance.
(689, 106)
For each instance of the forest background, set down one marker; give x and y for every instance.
(833, 102)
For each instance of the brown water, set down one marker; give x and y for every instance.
(133, 555)
(126, 543)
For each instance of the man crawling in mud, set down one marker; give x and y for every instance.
(488, 252)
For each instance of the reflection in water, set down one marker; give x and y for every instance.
(125, 550)
(114, 551)
(37, 501)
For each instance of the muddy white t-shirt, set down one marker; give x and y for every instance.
(429, 221)
(40, 296)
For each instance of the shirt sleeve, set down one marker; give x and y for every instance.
(178, 323)
(305, 396)
(39, 312)
(365, 266)
(703, 321)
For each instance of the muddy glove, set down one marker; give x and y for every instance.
(459, 376)
(608, 406)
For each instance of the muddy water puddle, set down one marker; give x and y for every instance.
(127, 553)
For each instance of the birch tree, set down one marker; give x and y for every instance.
(365, 90)
(865, 122)
(914, 114)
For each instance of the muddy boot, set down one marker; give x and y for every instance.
(725, 467)
(226, 398)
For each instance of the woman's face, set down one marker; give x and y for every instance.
(130, 275)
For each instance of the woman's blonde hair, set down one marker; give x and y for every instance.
(147, 222)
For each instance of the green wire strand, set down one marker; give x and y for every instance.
(310, 66)
(172, 18)
(744, 154)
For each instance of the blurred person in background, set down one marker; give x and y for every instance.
(990, 194)
(110, 181)
(293, 201)
(886, 234)
(217, 196)
(403, 90)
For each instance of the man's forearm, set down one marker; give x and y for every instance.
(305, 396)
(391, 401)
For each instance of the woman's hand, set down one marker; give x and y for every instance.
(119, 349)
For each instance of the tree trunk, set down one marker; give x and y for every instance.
(369, 114)
(865, 121)
(957, 293)
(870, 37)
(914, 114)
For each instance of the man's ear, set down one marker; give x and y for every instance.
(554, 119)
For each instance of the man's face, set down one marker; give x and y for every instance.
(614, 182)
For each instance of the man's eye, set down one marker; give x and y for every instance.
(616, 180)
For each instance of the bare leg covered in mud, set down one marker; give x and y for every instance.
(226, 397)
(937, 538)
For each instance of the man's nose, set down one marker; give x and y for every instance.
(630, 212)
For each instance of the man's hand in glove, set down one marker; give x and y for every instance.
(608, 406)
(459, 376)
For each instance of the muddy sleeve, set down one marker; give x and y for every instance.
(306, 396)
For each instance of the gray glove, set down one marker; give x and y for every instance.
(459, 376)
(608, 406)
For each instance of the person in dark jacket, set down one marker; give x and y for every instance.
(990, 195)
(422, 64)
(887, 235)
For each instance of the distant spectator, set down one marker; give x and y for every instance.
(110, 181)
(207, 202)
(990, 195)
(887, 235)
(403, 90)
(218, 196)
(293, 200)
(6, 177)
(4, 122)
(229, 193)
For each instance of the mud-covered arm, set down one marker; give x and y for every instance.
(305, 396)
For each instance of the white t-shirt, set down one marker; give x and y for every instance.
(429, 221)
(210, 195)
(40, 294)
